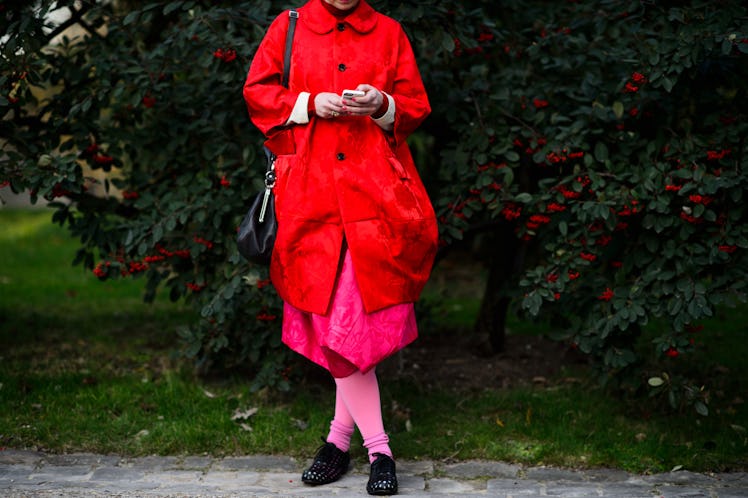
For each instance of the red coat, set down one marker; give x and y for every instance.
(344, 177)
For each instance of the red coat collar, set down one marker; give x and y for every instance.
(319, 20)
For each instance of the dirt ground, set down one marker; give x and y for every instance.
(465, 364)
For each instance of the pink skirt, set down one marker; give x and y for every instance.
(347, 338)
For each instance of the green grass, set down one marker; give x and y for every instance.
(567, 426)
(87, 366)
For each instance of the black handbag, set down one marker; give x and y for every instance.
(256, 236)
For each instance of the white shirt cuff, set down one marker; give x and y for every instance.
(300, 113)
(387, 122)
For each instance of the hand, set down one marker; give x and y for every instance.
(328, 105)
(366, 105)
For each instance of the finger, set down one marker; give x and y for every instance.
(353, 109)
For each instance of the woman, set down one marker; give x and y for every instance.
(357, 233)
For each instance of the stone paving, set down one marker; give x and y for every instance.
(35, 474)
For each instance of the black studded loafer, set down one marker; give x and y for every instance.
(382, 480)
(329, 464)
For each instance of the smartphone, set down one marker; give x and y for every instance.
(349, 94)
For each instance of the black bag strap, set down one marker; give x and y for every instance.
(293, 16)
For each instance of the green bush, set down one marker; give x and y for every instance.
(152, 94)
(609, 137)
(599, 144)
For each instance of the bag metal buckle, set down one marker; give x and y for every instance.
(269, 184)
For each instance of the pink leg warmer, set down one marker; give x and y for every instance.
(341, 427)
(360, 394)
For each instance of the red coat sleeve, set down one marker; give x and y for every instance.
(411, 102)
(268, 102)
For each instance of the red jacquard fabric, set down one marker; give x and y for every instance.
(344, 177)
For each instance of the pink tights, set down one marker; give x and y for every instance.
(357, 403)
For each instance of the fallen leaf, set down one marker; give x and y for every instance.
(499, 422)
(208, 394)
(245, 427)
(244, 415)
(300, 424)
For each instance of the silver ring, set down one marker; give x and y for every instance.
(334, 114)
